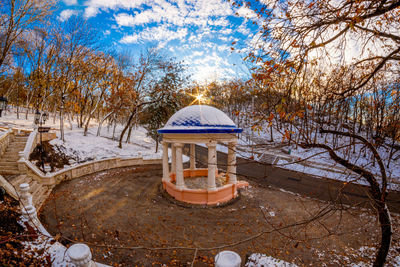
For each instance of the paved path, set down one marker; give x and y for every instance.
(304, 184)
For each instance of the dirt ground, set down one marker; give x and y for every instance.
(117, 211)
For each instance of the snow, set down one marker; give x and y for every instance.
(262, 260)
(91, 147)
(199, 116)
(2, 132)
(255, 144)
(101, 147)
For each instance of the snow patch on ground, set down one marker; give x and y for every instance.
(92, 147)
(262, 260)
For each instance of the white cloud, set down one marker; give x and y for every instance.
(226, 31)
(93, 6)
(107, 32)
(66, 14)
(161, 34)
(198, 53)
(124, 19)
(243, 30)
(195, 23)
(246, 12)
(70, 2)
(91, 12)
(179, 12)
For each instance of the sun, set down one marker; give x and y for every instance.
(199, 97)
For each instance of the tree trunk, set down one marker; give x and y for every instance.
(128, 137)
(272, 136)
(115, 126)
(61, 125)
(126, 127)
(386, 235)
(101, 122)
(70, 120)
(87, 125)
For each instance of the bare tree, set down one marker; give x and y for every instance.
(18, 17)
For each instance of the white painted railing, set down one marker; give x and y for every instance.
(30, 145)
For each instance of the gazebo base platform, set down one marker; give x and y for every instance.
(220, 195)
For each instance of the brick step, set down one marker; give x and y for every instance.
(11, 178)
(21, 137)
(8, 172)
(8, 167)
(7, 163)
(38, 194)
(19, 180)
(17, 144)
(38, 201)
(13, 156)
(36, 187)
(33, 185)
(13, 150)
(10, 159)
(10, 153)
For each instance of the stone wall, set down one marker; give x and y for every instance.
(5, 140)
(72, 172)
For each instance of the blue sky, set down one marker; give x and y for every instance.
(198, 32)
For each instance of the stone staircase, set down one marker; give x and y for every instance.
(9, 170)
(9, 160)
(39, 192)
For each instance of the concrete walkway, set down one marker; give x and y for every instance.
(301, 183)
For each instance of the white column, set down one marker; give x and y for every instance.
(180, 182)
(192, 156)
(227, 259)
(28, 211)
(173, 158)
(165, 161)
(80, 255)
(212, 165)
(25, 195)
(231, 170)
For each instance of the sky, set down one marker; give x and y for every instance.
(200, 33)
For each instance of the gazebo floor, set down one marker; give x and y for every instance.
(201, 182)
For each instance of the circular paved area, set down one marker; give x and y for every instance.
(124, 208)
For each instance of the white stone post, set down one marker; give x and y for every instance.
(173, 158)
(231, 169)
(25, 195)
(212, 165)
(180, 182)
(192, 156)
(165, 162)
(29, 215)
(81, 255)
(28, 211)
(227, 259)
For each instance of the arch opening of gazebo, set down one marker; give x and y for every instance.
(200, 124)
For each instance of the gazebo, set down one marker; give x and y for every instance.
(200, 124)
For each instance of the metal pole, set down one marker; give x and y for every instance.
(41, 143)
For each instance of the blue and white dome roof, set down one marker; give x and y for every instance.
(200, 119)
